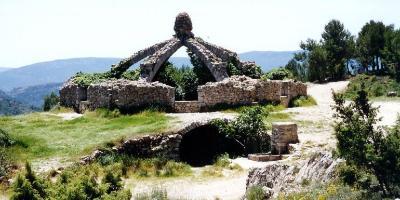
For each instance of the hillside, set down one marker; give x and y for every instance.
(9, 106)
(58, 71)
(34, 95)
(2, 69)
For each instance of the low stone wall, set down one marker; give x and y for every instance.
(187, 106)
(125, 94)
(283, 134)
(245, 90)
(71, 95)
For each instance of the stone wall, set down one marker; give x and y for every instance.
(245, 90)
(71, 95)
(187, 106)
(124, 94)
(283, 134)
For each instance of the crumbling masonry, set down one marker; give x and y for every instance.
(125, 94)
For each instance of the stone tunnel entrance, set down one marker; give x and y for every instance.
(202, 145)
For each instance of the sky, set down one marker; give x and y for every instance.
(41, 30)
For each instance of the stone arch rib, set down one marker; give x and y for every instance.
(118, 69)
(153, 63)
(216, 66)
(218, 51)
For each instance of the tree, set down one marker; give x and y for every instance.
(50, 101)
(391, 53)
(370, 45)
(338, 45)
(365, 145)
(189, 84)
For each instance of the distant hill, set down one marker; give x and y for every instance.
(2, 69)
(33, 95)
(58, 71)
(9, 106)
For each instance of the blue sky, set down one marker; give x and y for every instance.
(42, 30)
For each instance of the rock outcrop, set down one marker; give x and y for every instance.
(280, 177)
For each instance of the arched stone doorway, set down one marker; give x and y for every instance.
(203, 144)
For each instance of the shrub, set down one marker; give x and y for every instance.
(302, 101)
(5, 139)
(365, 145)
(374, 86)
(50, 101)
(156, 193)
(189, 85)
(85, 79)
(132, 74)
(278, 74)
(248, 128)
(255, 193)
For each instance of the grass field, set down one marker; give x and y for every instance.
(45, 135)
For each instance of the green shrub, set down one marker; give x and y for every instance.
(255, 193)
(365, 146)
(375, 86)
(278, 74)
(85, 79)
(5, 139)
(50, 101)
(302, 101)
(133, 75)
(248, 128)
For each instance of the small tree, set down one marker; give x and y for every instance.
(364, 145)
(50, 101)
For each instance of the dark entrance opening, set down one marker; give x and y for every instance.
(202, 145)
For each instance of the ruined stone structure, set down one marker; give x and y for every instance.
(283, 134)
(124, 94)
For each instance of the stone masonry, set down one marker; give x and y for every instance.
(244, 90)
(124, 94)
(283, 134)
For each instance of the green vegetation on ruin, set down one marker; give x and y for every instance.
(375, 86)
(302, 101)
(45, 135)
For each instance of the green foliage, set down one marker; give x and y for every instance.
(168, 74)
(255, 193)
(133, 75)
(5, 139)
(50, 101)
(248, 128)
(375, 86)
(331, 190)
(85, 79)
(278, 74)
(76, 182)
(327, 59)
(189, 85)
(365, 145)
(302, 101)
(339, 46)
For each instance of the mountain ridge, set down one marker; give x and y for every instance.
(57, 71)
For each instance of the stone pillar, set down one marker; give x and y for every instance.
(283, 134)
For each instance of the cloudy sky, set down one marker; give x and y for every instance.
(42, 30)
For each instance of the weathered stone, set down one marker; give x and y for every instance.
(71, 95)
(245, 90)
(124, 94)
(187, 106)
(283, 134)
(391, 94)
(264, 157)
(278, 177)
(183, 26)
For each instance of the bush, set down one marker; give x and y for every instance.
(278, 74)
(375, 86)
(248, 128)
(5, 139)
(156, 193)
(50, 101)
(365, 146)
(302, 101)
(255, 193)
(85, 79)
